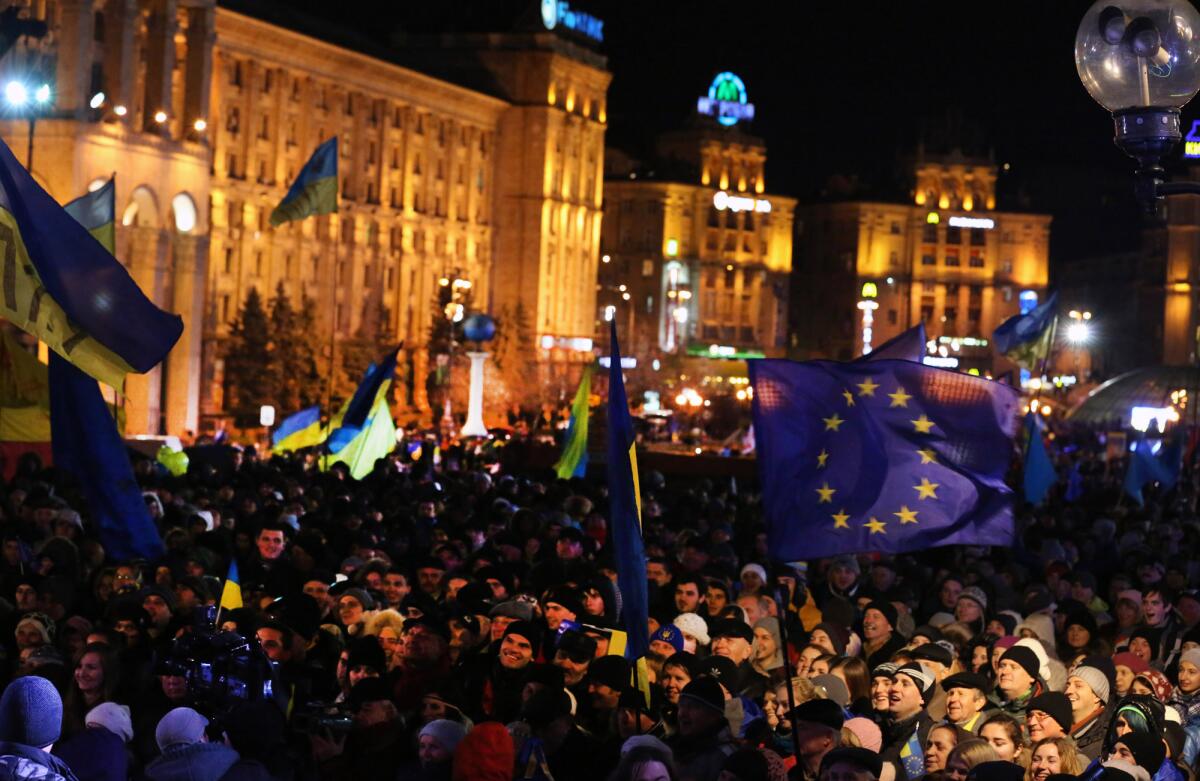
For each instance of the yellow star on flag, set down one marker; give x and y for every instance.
(840, 519)
(867, 388)
(876, 526)
(926, 489)
(922, 424)
(849, 398)
(831, 424)
(822, 457)
(899, 398)
(928, 456)
(826, 493)
(906, 515)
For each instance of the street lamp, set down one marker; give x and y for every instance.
(1140, 59)
(22, 98)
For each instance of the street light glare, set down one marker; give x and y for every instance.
(1077, 332)
(160, 116)
(15, 93)
(200, 125)
(97, 100)
(120, 111)
(42, 94)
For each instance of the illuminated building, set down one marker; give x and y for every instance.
(946, 257)
(696, 261)
(489, 172)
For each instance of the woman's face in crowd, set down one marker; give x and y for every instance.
(1124, 679)
(949, 594)
(1140, 648)
(430, 752)
(880, 689)
(997, 736)
(674, 678)
(89, 674)
(957, 770)
(818, 667)
(1189, 677)
(764, 644)
(979, 658)
(593, 603)
(1078, 636)
(821, 638)
(350, 610)
(994, 627)
(1139, 687)
(1046, 762)
(28, 637)
(937, 748)
(432, 709)
(807, 655)
(967, 611)
(1121, 727)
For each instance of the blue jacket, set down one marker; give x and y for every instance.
(95, 755)
(192, 762)
(19, 762)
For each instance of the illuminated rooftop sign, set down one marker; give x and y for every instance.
(1191, 142)
(559, 12)
(722, 351)
(726, 100)
(739, 203)
(986, 223)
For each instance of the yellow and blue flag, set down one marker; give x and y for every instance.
(61, 285)
(297, 431)
(883, 456)
(315, 190)
(574, 459)
(366, 431)
(97, 211)
(231, 593)
(1039, 473)
(625, 511)
(1026, 339)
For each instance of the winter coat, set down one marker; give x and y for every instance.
(193, 762)
(19, 762)
(95, 754)
(700, 757)
(1089, 739)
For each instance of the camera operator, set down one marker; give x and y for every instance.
(373, 748)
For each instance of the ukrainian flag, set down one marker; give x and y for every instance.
(231, 594)
(625, 509)
(574, 460)
(1026, 339)
(366, 431)
(61, 285)
(97, 211)
(298, 431)
(315, 189)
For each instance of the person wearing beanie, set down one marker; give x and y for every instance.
(1186, 702)
(1048, 716)
(1142, 749)
(908, 722)
(966, 701)
(608, 676)
(30, 723)
(850, 762)
(485, 754)
(1088, 692)
(1127, 666)
(560, 604)
(695, 631)
(868, 733)
(880, 638)
(97, 753)
(704, 739)
(436, 744)
(842, 581)
(494, 681)
(971, 608)
(665, 642)
(1017, 681)
(186, 750)
(830, 637)
(734, 640)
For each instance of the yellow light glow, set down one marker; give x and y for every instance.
(570, 99)
(944, 201)
(444, 281)
(920, 199)
(741, 184)
(968, 203)
(724, 180)
(160, 116)
(200, 125)
(1181, 287)
(551, 94)
(1045, 409)
(705, 177)
(672, 247)
(933, 218)
(760, 187)
(120, 111)
(870, 290)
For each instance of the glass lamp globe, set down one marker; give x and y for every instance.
(1134, 54)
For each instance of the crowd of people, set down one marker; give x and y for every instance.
(461, 620)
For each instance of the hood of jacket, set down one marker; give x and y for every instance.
(192, 762)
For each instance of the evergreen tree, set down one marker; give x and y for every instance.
(312, 368)
(513, 354)
(251, 379)
(294, 353)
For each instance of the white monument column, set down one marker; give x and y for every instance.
(474, 426)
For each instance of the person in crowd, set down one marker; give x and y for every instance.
(704, 739)
(1005, 735)
(941, 741)
(817, 725)
(1053, 756)
(880, 638)
(966, 700)
(1088, 691)
(31, 714)
(966, 755)
(908, 723)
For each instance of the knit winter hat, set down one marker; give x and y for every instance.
(669, 634)
(975, 594)
(867, 732)
(692, 624)
(834, 689)
(837, 633)
(1134, 663)
(645, 741)
(1056, 706)
(1158, 683)
(1148, 750)
(363, 597)
(886, 608)
(529, 631)
(1025, 657)
(847, 562)
(180, 725)
(39, 626)
(757, 569)
(705, 691)
(447, 733)
(611, 671)
(113, 717)
(1039, 651)
(920, 677)
(1192, 655)
(1096, 681)
(367, 652)
(31, 712)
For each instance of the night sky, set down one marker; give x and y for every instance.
(845, 91)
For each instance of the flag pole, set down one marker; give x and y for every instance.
(333, 324)
(781, 606)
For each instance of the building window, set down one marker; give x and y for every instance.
(267, 81)
(976, 292)
(647, 268)
(894, 259)
(235, 77)
(264, 130)
(895, 228)
(892, 317)
(1006, 267)
(951, 315)
(929, 234)
(225, 308)
(953, 235)
(973, 315)
(228, 260)
(233, 120)
(1006, 294)
(258, 264)
(976, 260)
(952, 257)
(928, 260)
(951, 289)
(978, 237)
(927, 312)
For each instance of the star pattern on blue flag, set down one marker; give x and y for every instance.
(888, 456)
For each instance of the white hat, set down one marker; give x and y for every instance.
(113, 717)
(757, 569)
(180, 725)
(694, 625)
(1039, 650)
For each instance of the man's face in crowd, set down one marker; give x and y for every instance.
(717, 599)
(1012, 679)
(395, 588)
(515, 652)
(173, 686)
(951, 590)
(963, 703)
(1083, 700)
(573, 671)
(556, 614)
(270, 544)
(499, 624)
(842, 577)
(1154, 608)
(350, 610)
(875, 626)
(657, 572)
(127, 628)
(735, 648)
(687, 598)
(749, 604)
(1040, 725)
(904, 698)
(430, 579)
(604, 697)
(156, 606)
(696, 719)
(568, 549)
(271, 641)
(26, 597)
(1188, 608)
(319, 591)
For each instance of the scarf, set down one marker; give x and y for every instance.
(1188, 705)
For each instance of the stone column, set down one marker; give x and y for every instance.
(197, 79)
(147, 266)
(160, 60)
(182, 403)
(74, 72)
(120, 21)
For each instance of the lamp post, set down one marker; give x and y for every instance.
(27, 99)
(1140, 59)
(1079, 334)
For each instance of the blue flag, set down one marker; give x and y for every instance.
(625, 511)
(1039, 473)
(886, 456)
(1074, 490)
(85, 444)
(1144, 467)
(61, 285)
(908, 346)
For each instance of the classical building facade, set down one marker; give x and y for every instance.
(867, 271)
(208, 114)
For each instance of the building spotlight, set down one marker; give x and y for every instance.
(200, 125)
(97, 100)
(42, 94)
(160, 116)
(120, 110)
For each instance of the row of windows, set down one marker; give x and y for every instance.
(954, 235)
(953, 260)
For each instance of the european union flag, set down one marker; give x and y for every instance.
(61, 285)
(625, 511)
(1026, 339)
(908, 346)
(886, 456)
(303, 429)
(315, 189)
